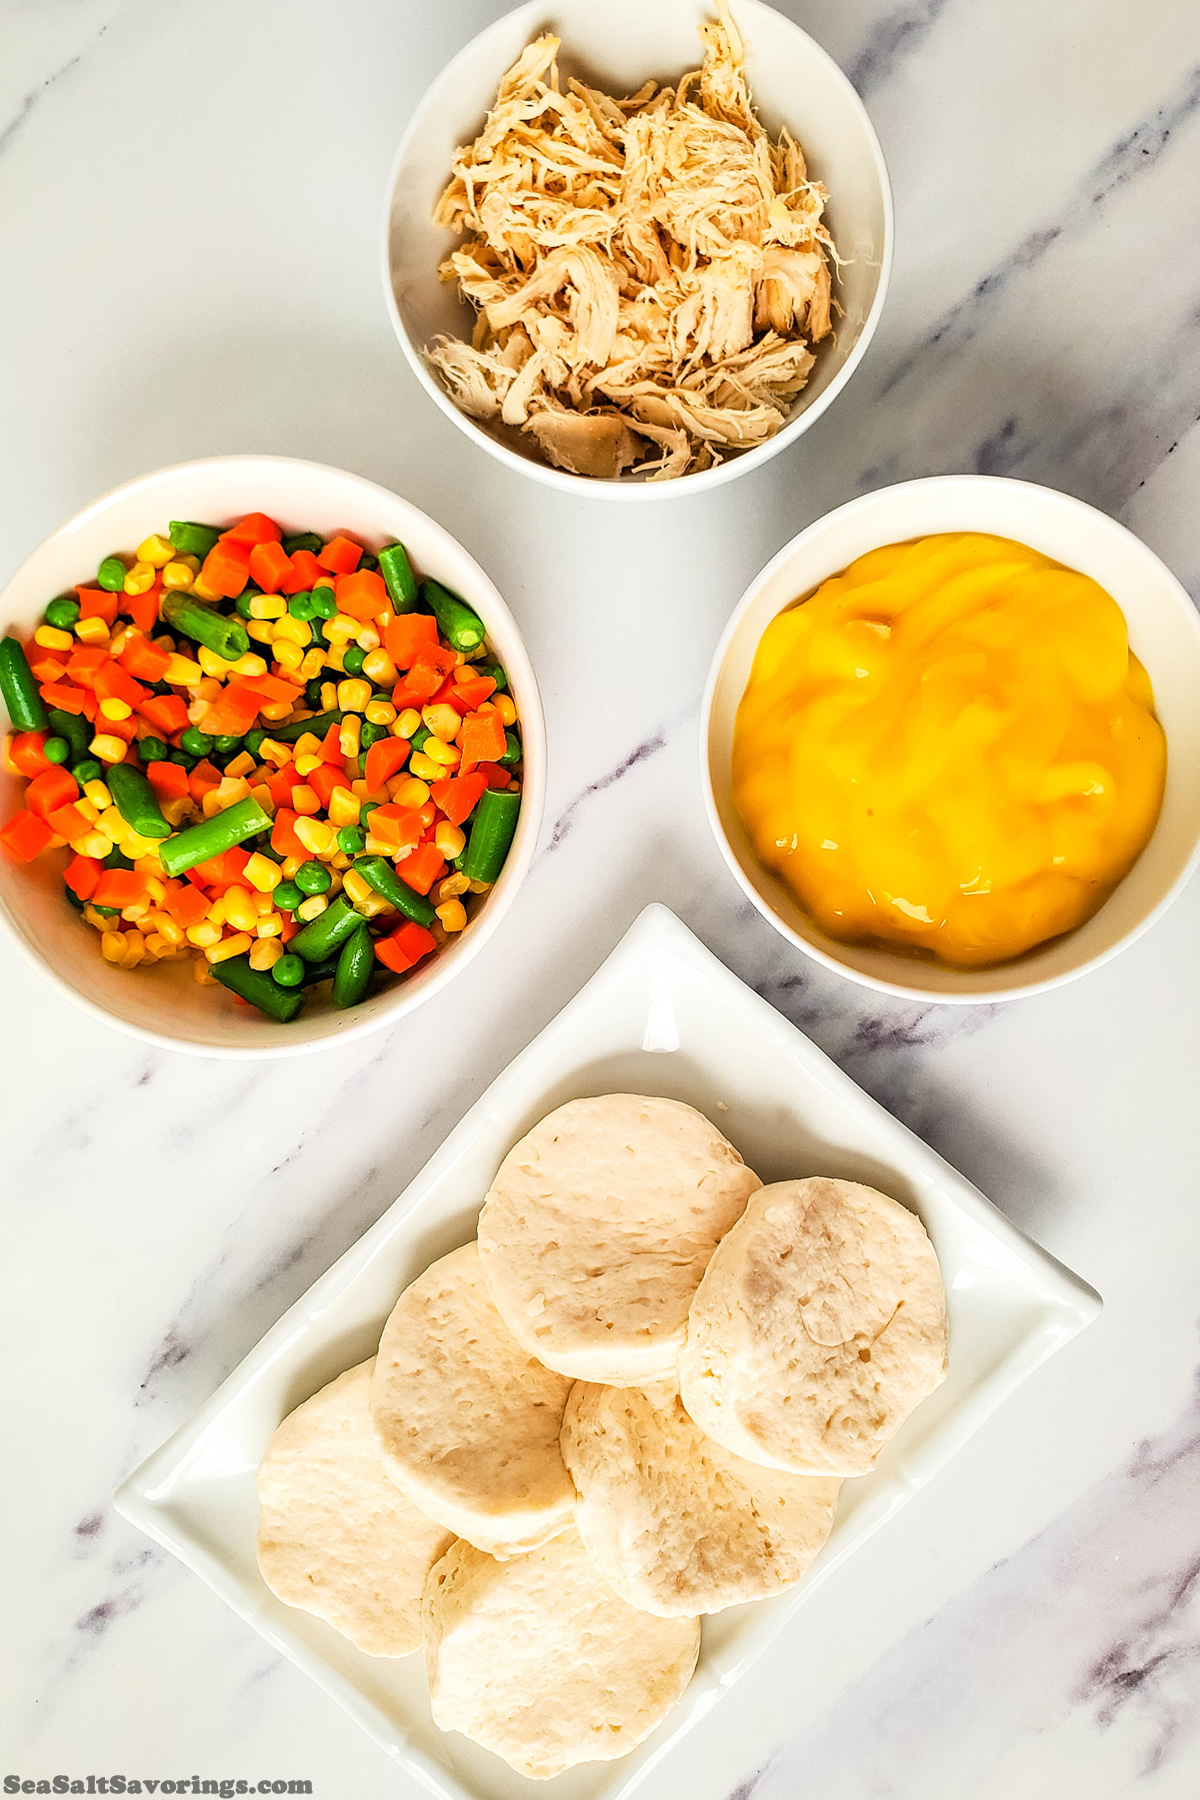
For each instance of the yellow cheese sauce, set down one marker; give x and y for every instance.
(949, 748)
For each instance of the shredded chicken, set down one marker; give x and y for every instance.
(648, 274)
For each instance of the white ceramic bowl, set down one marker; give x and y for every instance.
(616, 45)
(1164, 631)
(165, 1004)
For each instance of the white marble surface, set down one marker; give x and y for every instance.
(189, 198)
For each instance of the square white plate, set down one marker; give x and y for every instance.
(662, 1016)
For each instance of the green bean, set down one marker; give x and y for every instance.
(353, 974)
(398, 578)
(111, 574)
(315, 972)
(491, 834)
(378, 871)
(327, 932)
(19, 689)
(244, 819)
(134, 799)
(302, 540)
(462, 629)
(257, 986)
(206, 625)
(63, 613)
(74, 728)
(191, 539)
(318, 725)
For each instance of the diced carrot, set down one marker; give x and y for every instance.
(122, 728)
(420, 870)
(307, 573)
(227, 567)
(403, 948)
(407, 635)
(234, 712)
(64, 696)
(459, 795)
(305, 800)
(98, 603)
(47, 668)
(271, 688)
(494, 775)
(120, 887)
(288, 930)
(142, 609)
(323, 780)
(26, 755)
(395, 826)
(26, 836)
(384, 759)
(53, 788)
(362, 595)
(169, 780)
(340, 555)
(144, 660)
(188, 905)
(203, 779)
(283, 834)
(166, 712)
(281, 784)
(67, 822)
(331, 750)
(81, 875)
(255, 528)
(113, 682)
(84, 664)
(270, 566)
(481, 739)
(468, 692)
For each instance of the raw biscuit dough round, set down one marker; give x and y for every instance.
(598, 1227)
(675, 1522)
(541, 1662)
(468, 1422)
(819, 1325)
(335, 1536)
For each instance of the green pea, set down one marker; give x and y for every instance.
(371, 734)
(324, 602)
(254, 741)
(313, 878)
(105, 912)
(62, 613)
(420, 738)
(111, 574)
(366, 809)
(351, 840)
(300, 606)
(497, 674)
(152, 749)
(353, 660)
(117, 859)
(88, 770)
(56, 750)
(367, 561)
(195, 742)
(73, 898)
(289, 971)
(226, 742)
(182, 758)
(287, 896)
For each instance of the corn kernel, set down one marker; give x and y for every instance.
(479, 887)
(289, 630)
(261, 631)
(98, 794)
(239, 909)
(241, 765)
(169, 928)
(353, 695)
(344, 807)
(505, 707)
(411, 793)
(311, 664)
(381, 712)
(379, 846)
(341, 629)
(408, 722)
(175, 811)
(212, 664)
(99, 924)
(266, 953)
(137, 909)
(84, 807)
(349, 735)
(94, 844)
(357, 887)
(230, 946)
(181, 671)
(289, 866)
(262, 873)
(203, 933)
(368, 640)
(447, 756)
(279, 754)
(203, 974)
(267, 606)
(360, 790)
(140, 578)
(312, 908)
(453, 886)
(444, 721)
(305, 800)
(450, 841)
(339, 860)
(314, 834)
(210, 805)
(289, 657)
(176, 576)
(424, 768)
(108, 749)
(157, 551)
(157, 947)
(91, 631)
(328, 695)
(249, 664)
(270, 925)
(307, 764)
(216, 912)
(379, 668)
(453, 915)
(135, 949)
(115, 710)
(50, 638)
(112, 947)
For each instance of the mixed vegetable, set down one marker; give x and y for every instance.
(282, 756)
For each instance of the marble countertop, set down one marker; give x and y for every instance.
(189, 204)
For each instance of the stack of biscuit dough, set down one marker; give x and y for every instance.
(631, 1401)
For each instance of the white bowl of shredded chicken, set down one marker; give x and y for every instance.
(632, 241)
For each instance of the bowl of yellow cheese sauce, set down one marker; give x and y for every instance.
(952, 739)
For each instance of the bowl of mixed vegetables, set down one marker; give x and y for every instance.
(273, 763)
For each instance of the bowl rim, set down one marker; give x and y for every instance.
(529, 826)
(1009, 985)
(622, 488)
